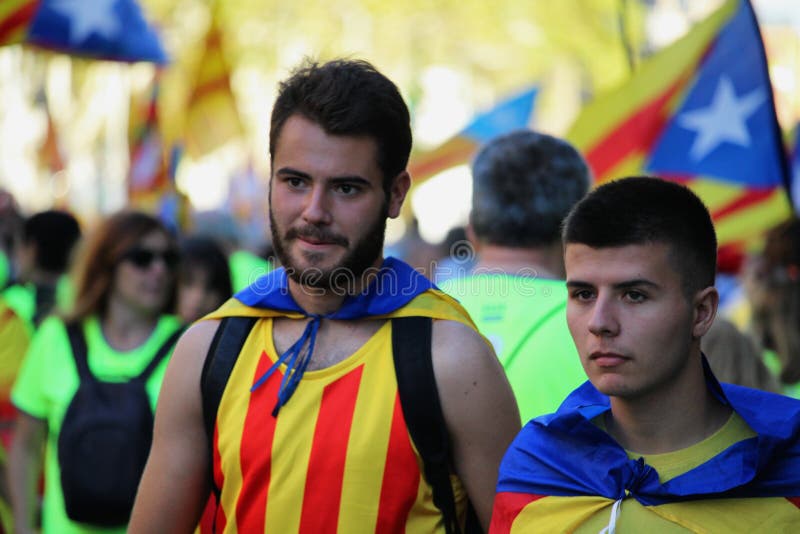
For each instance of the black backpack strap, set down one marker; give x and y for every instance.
(78, 343)
(419, 398)
(163, 350)
(222, 355)
(79, 351)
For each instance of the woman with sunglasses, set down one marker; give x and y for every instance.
(125, 292)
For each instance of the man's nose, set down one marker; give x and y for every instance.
(316, 209)
(603, 320)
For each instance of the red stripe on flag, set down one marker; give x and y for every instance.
(746, 199)
(323, 491)
(255, 454)
(635, 134)
(19, 18)
(400, 477)
(794, 500)
(507, 506)
(220, 519)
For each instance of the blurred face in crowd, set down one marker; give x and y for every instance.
(145, 274)
(196, 296)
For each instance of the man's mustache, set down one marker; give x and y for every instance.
(316, 234)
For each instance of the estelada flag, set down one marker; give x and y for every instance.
(101, 29)
(700, 112)
(510, 114)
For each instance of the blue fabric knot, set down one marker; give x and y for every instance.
(640, 472)
(296, 363)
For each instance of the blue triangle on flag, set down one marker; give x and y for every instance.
(102, 29)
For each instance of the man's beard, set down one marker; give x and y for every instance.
(343, 278)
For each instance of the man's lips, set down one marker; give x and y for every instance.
(316, 237)
(607, 359)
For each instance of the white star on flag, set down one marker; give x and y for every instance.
(724, 120)
(88, 17)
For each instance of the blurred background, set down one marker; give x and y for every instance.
(187, 138)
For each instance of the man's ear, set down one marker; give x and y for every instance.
(704, 305)
(472, 237)
(397, 193)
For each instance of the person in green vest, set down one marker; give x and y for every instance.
(125, 294)
(524, 184)
(41, 260)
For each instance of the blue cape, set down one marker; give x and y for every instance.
(565, 454)
(395, 285)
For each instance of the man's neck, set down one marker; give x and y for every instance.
(668, 420)
(540, 262)
(321, 301)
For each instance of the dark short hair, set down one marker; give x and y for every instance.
(348, 97)
(642, 210)
(54, 233)
(524, 184)
(203, 253)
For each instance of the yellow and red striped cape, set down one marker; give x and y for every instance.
(338, 457)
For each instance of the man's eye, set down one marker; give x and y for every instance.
(582, 294)
(635, 296)
(294, 181)
(347, 189)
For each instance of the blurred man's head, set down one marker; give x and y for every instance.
(524, 184)
(48, 238)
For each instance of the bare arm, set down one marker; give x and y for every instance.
(26, 458)
(479, 409)
(175, 484)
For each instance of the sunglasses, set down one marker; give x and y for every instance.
(144, 257)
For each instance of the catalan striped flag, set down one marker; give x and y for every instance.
(700, 112)
(511, 114)
(212, 116)
(147, 177)
(103, 29)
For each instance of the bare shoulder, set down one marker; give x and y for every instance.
(466, 365)
(456, 344)
(188, 358)
(193, 345)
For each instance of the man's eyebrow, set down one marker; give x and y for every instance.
(627, 284)
(350, 178)
(340, 178)
(293, 172)
(638, 282)
(578, 284)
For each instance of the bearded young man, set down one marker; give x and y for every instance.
(652, 443)
(309, 434)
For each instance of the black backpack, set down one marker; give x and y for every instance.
(419, 398)
(105, 440)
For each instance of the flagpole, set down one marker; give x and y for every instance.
(626, 43)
